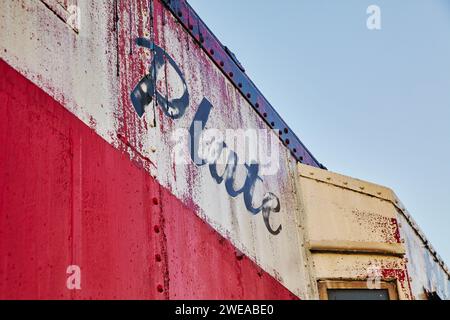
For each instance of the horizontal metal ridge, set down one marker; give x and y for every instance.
(227, 62)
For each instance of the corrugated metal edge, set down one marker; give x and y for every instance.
(374, 190)
(228, 64)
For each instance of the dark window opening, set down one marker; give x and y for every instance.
(358, 294)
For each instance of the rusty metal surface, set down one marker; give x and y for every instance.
(135, 74)
(352, 231)
(68, 198)
(430, 276)
(93, 74)
(355, 227)
(189, 87)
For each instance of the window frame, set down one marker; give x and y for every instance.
(324, 285)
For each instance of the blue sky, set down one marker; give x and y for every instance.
(370, 104)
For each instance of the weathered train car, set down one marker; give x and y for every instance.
(138, 160)
(364, 243)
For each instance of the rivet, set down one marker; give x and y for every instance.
(286, 130)
(211, 51)
(158, 258)
(287, 141)
(222, 63)
(156, 228)
(257, 105)
(239, 255)
(231, 74)
(328, 178)
(249, 95)
(153, 149)
(301, 158)
(160, 288)
(240, 85)
(155, 201)
(280, 132)
(272, 124)
(180, 14)
(265, 115)
(362, 188)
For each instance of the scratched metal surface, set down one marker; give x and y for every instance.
(425, 270)
(229, 212)
(352, 229)
(93, 72)
(94, 69)
(71, 199)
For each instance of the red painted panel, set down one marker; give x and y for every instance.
(68, 197)
(35, 188)
(202, 264)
